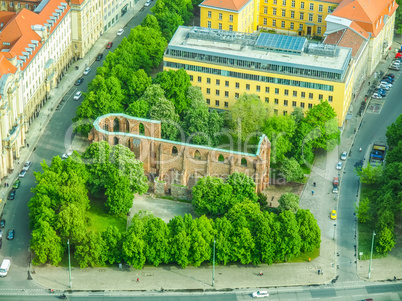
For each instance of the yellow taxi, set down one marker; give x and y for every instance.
(333, 214)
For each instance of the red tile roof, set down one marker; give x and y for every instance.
(345, 38)
(234, 5)
(366, 13)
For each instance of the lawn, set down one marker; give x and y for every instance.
(306, 256)
(99, 219)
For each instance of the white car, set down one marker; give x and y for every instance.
(87, 70)
(385, 83)
(77, 95)
(66, 155)
(148, 3)
(27, 165)
(344, 155)
(120, 32)
(384, 86)
(22, 173)
(376, 96)
(260, 294)
(339, 165)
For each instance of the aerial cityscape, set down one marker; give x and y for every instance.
(200, 150)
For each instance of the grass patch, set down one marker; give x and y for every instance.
(306, 169)
(365, 237)
(99, 219)
(305, 256)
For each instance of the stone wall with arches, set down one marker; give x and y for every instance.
(171, 162)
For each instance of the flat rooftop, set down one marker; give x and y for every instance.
(289, 51)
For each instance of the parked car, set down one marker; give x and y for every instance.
(376, 96)
(344, 155)
(120, 31)
(77, 95)
(22, 173)
(10, 234)
(388, 79)
(386, 83)
(66, 155)
(11, 196)
(333, 214)
(109, 45)
(390, 75)
(335, 184)
(27, 165)
(99, 56)
(17, 184)
(79, 81)
(2, 223)
(260, 294)
(394, 68)
(380, 92)
(148, 3)
(87, 70)
(339, 165)
(384, 86)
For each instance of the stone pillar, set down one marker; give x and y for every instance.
(183, 180)
(159, 156)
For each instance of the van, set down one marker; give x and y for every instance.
(5, 266)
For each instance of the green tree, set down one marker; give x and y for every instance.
(136, 85)
(363, 210)
(289, 237)
(153, 95)
(386, 241)
(243, 245)
(395, 154)
(215, 123)
(394, 132)
(288, 201)
(138, 108)
(309, 231)
(151, 22)
(133, 250)
(164, 111)
(179, 241)
(291, 170)
(245, 215)
(243, 187)
(119, 195)
(90, 250)
(157, 238)
(71, 223)
(370, 174)
(224, 234)
(266, 238)
(112, 238)
(46, 245)
(297, 114)
(169, 22)
(248, 116)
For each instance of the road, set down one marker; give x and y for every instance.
(373, 128)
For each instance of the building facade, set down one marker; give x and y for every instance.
(113, 10)
(16, 6)
(170, 163)
(232, 15)
(285, 72)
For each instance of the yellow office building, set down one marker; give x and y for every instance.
(284, 71)
(232, 15)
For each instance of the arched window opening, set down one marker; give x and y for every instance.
(106, 127)
(221, 158)
(115, 141)
(174, 151)
(243, 162)
(197, 155)
(142, 129)
(127, 127)
(116, 125)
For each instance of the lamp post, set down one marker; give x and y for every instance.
(69, 262)
(371, 255)
(213, 266)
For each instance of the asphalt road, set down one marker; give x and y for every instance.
(372, 128)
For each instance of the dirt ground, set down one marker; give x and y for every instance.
(274, 192)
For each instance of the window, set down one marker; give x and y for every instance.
(209, 24)
(294, 93)
(19, 5)
(230, 27)
(226, 83)
(302, 5)
(302, 105)
(318, 30)
(208, 91)
(11, 4)
(265, 21)
(217, 103)
(274, 11)
(217, 92)
(236, 95)
(320, 96)
(286, 92)
(266, 89)
(284, 2)
(220, 16)
(220, 25)
(226, 104)
(230, 18)
(310, 17)
(247, 86)
(300, 26)
(310, 105)
(237, 85)
(226, 93)
(265, 10)
(276, 91)
(330, 98)
(275, 112)
(208, 80)
(276, 101)
(293, 3)
(285, 113)
(310, 95)
(275, 2)
(3, 3)
(258, 88)
(283, 24)
(285, 103)
(27, 6)
(218, 82)
(301, 16)
(311, 6)
(292, 25)
(319, 18)
(209, 14)
(274, 23)
(320, 7)
(283, 12)
(267, 99)
(199, 79)
(293, 103)
(292, 14)
(191, 78)
(303, 94)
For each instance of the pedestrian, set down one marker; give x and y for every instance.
(27, 144)
(8, 184)
(261, 273)
(369, 83)
(312, 192)
(314, 184)
(138, 279)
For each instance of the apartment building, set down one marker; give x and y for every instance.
(285, 72)
(35, 51)
(113, 10)
(16, 6)
(232, 15)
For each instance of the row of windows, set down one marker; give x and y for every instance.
(291, 25)
(302, 5)
(230, 28)
(292, 15)
(250, 65)
(18, 4)
(220, 16)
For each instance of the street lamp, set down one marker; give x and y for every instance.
(371, 255)
(213, 266)
(69, 262)
(334, 230)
